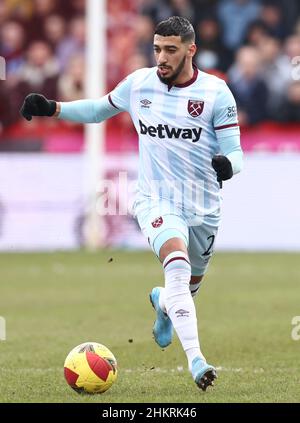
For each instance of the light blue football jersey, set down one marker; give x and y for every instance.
(180, 128)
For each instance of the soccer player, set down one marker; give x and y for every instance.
(189, 142)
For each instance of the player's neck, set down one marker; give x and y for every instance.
(185, 75)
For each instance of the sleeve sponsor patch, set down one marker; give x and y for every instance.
(231, 111)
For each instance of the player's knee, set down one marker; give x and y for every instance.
(173, 244)
(196, 279)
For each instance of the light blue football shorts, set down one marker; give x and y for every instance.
(159, 225)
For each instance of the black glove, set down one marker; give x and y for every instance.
(222, 166)
(37, 105)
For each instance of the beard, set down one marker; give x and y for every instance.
(170, 79)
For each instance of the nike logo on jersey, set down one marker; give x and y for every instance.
(164, 131)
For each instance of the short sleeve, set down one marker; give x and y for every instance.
(225, 118)
(119, 97)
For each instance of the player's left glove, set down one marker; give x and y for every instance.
(222, 166)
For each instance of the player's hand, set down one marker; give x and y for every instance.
(222, 166)
(37, 105)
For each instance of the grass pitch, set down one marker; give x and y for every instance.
(53, 302)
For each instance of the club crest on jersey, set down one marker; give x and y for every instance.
(195, 107)
(157, 222)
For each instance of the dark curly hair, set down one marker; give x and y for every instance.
(176, 25)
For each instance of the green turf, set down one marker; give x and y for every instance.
(53, 302)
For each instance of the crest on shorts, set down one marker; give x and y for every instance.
(195, 107)
(157, 222)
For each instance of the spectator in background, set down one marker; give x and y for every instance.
(157, 11)
(12, 43)
(20, 9)
(205, 9)
(248, 87)
(276, 73)
(144, 38)
(71, 82)
(72, 8)
(55, 31)
(292, 47)
(121, 15)
(74, 43)
(39, 73)
(123, 46)
(291, 12)
(182, 8)
(235, 17)
(297, 27)
(256, 33)
(42, 9)
(271, 15)
(211, 54)
(290, 108)
(4, 13)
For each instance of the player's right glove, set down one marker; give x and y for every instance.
(222, 166)
(37, 105)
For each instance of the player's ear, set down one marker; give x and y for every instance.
(192, 48)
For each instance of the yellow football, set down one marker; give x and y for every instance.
(90, 368)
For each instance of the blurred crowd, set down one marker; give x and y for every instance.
(249, 43)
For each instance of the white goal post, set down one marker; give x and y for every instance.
(95, 82)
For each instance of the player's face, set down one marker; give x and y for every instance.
(171, 56)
